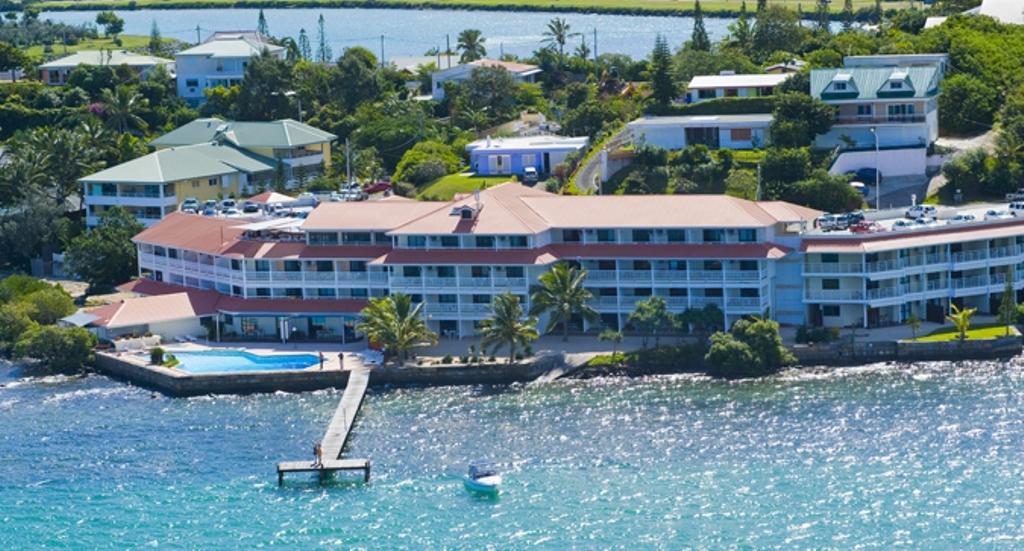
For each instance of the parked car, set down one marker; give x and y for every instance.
(867, 175)
(530, 175)
(1016, 195)
(228, 204)
(249, 207)
(861, 188)
(918, 211)
(190, 203)
(925, 222)
(190, 210)
(210, 204)
(963, 218)
(994, 214)
(1016, 208)
(833, 222)
(232, 211)
(379, 187)
(855, 217)
(867, 227)
(903, 225)
(209, 211)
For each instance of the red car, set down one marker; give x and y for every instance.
(867, 227)
(379, 187)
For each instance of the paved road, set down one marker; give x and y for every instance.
(899, 191)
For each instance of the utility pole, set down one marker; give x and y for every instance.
(597, 67)
(198, 37)
(501, 50)
(757, 193)
(382, 51)
(348, 162)
(448, 49)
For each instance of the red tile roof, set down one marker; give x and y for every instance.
(679, 250)
(892, 240)
(209, 302)
(206, 234)
(270, 197)
(467, 256)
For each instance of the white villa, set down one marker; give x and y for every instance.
(219, 61)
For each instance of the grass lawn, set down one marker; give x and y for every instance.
(128, 42)
(981, 332)
(445, 188)
(708, 6)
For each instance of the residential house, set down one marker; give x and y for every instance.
(505, 156)
(219, 61)
(1005, 11)
(55, 73)
(730, 85)
(899, 105)
(714, 131)
(522, 72)
(152, 186)
(789, 66)
(303, 150)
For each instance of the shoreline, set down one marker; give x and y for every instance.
(652, 9)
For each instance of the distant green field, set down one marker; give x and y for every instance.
(447, 187)
(979, 333)
(623, 6)
(128, 42)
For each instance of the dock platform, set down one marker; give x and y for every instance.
(338, 431)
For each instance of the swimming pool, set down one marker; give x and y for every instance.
(232, 361)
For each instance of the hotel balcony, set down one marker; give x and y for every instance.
(880, 119)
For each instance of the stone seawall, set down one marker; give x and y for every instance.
(177, 383)
(840, 354)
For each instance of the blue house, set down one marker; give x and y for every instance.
(507, 156)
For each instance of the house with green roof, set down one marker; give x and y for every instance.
(55, 72)
(898, 103)
(152, 186)
(302, 150)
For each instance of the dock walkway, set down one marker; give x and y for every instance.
(337, 435)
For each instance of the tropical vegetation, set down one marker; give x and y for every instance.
(396, 323)
(562, 296)
(507, 327)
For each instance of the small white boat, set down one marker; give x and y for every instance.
(482, 478)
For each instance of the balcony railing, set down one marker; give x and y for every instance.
(475, 282)
(833, 268)
(880, 119)
(970, 282)
(970, 256)
(670, 275)
(834, 294)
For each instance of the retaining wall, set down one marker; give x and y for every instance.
(858, 353)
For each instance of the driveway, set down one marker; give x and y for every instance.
(986, 141)
(899, 191)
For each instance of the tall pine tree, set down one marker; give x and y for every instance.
(762, 4)
(847, 15)
(155, 42)
(323, 51)
(663, 86)
(740, 29)
(261, 25)
(699, 40)
(878, 11)
(821, 16)
(305, 50)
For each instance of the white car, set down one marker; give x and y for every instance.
(919, 211)
(1016, 208)
(997, 215)
(228, 204)
(925, 222)
(903, 225)
(190, 203)
(963, 219)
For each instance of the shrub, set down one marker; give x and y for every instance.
(447, 359)
(805, 334)
(61, 348)
(156, 355)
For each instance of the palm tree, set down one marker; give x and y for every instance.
(471, 44)
(961, 319)
(614, 337)
(121, 108)
(506, 326)
(396, 323)
(562, 295)
(914, 323)
(557, 34)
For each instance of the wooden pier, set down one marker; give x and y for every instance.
(337, 435)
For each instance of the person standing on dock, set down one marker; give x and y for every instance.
(322, 359)
(341, 360)
(318, 455)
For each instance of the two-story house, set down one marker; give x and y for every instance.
(522, 72)
(219, 61)
(730, 85)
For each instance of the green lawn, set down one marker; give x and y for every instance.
(978, 333)
(128, 42)
(709, 6)
(445, 188)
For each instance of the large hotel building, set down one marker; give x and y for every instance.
(311, 277)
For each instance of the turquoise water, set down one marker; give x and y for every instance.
(229, 361)
(876, 457)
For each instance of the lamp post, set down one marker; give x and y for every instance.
(878, 173)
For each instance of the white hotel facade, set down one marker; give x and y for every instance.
(744, 257)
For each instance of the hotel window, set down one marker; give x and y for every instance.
(746, 235)
(677, 292)
(839, 86)
(896, 85)
(529, 159)
(713, 265)
(323, 238)
(740, 134)
(485, 241)
(865, 110)
(676, 236)
(748, 265)
(355, 238)
(712, 236)
(748, 293)
(641, 265)
(357, 266)
(641, 292)
(830, 311)
(481, 299)
(192, 83)
(605, 236)
(262, 292)
(381, 238)
(172, 253)
(292, 266)
(446, 271)
(325, 292)
(447, 299)
(211, 182)
(571, 236)
(514, 271)
(830, 284)
(642, 236)
(236, 291)
(411, 271)
(416, 241)
(517, 241)
(249, 326)
(732, 92)
(829, 258)
(450, 241)
(361, 293)
(293, 292)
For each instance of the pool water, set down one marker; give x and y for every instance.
(232, 361)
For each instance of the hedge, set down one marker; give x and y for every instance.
(718, 106)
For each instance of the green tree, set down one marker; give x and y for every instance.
(356, 77)
(105, 256)
(61, 349)
(652, 318)
(798, 118)
(703, 320)
(155, 41)
(33, 226)
(699, 39)
(122, 109)
(562, 295)
(753, 348)
(967, 105)
(15, 287)
(761, 5)
(394, 322)
(822, 20)
(261, 24)
(663, 86)
(305, 50)
(785, 165)
(261, 96)
(825, 192)
(848, 17)
(961, 319)
(507, 327)
(914, 323)
(556, 35)
(323, 50)
(729, 357)
(65, 155)
(1008, 302)
(46, 306)
(740, 31)
(12, 59)
(429, 152)
(614, 337)
(471, 43)
(777, 29)
(14, 322)
(111, 23)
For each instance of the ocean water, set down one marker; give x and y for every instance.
(409, 32)
(925, 457)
